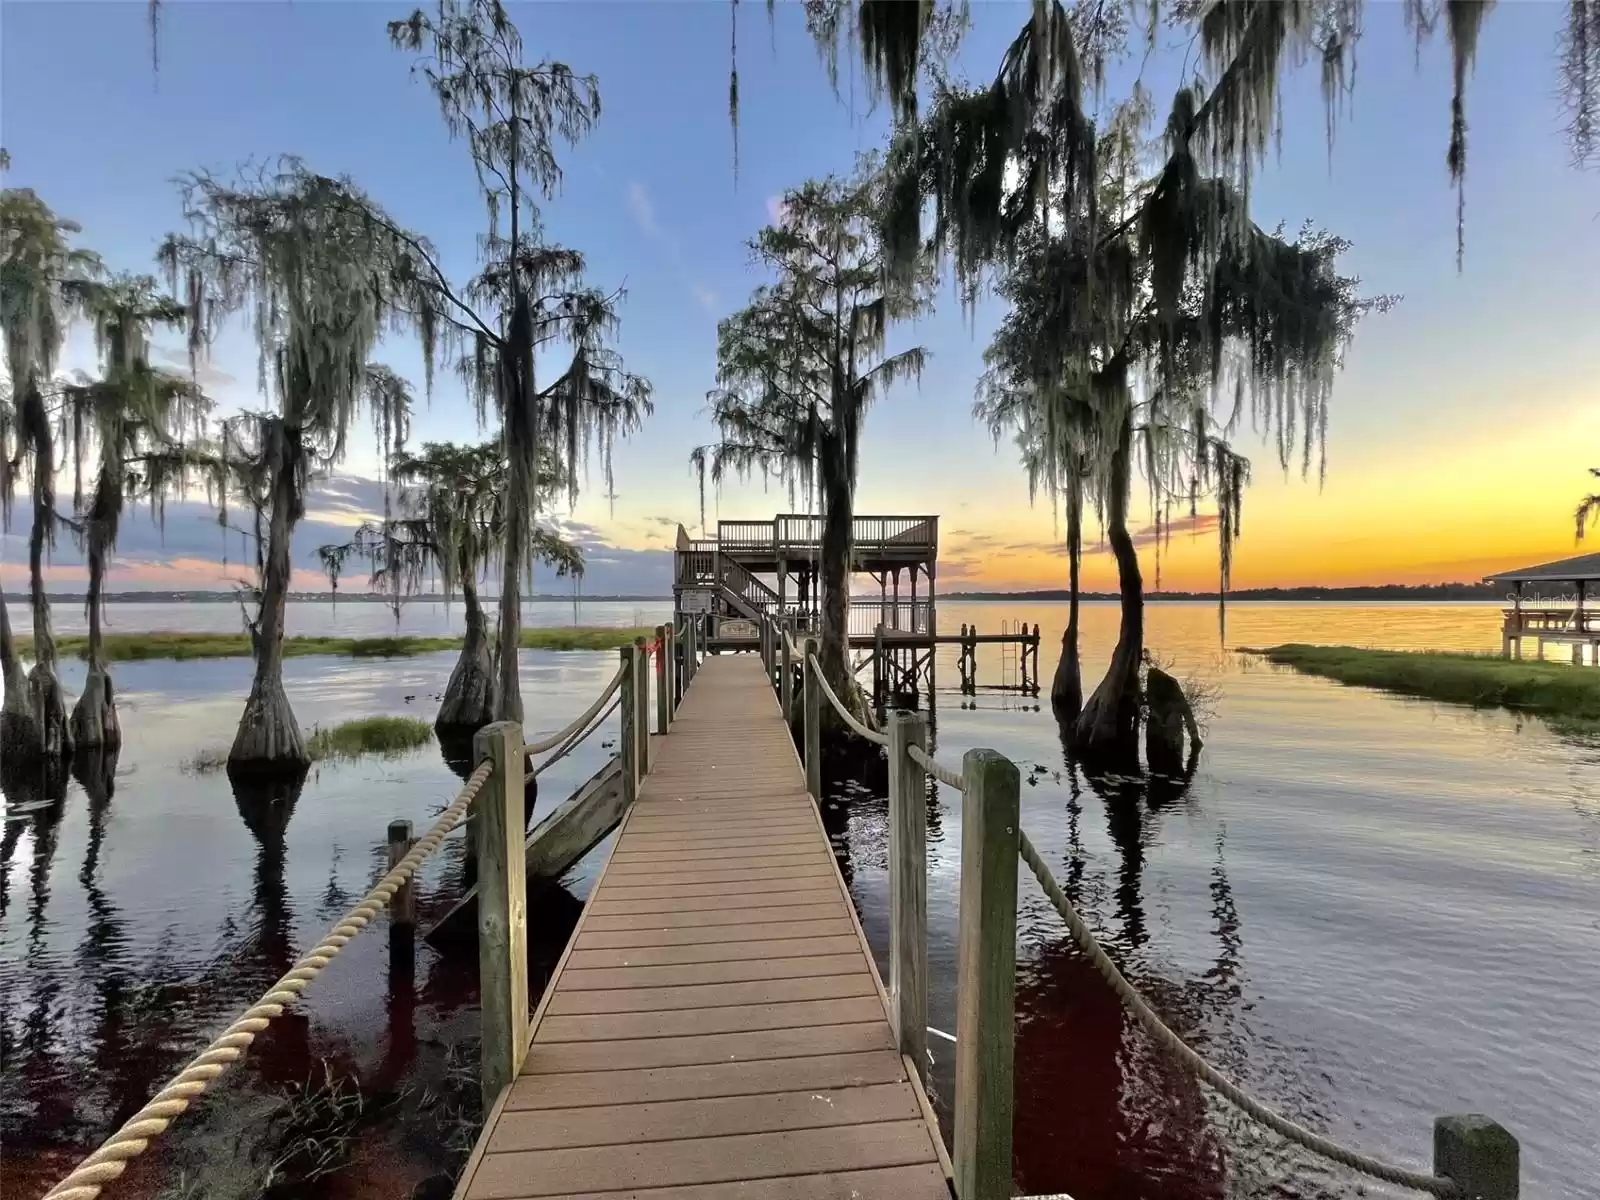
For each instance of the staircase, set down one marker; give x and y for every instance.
(744, 591)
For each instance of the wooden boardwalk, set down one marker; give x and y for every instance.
(716, 1027)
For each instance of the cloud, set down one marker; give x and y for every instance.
(777, 210)
(644, 212)
(644, 215)
(210, 377)
(1181, 527)
(189, 551)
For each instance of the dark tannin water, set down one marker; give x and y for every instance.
(1370, 910)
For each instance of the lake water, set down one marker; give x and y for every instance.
(1369, 909)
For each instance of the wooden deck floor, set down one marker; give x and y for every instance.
(716, 1027)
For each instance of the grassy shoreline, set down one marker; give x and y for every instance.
(143, 647)
(1567, 697)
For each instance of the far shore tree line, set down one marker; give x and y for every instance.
(323, 275)
(1149, 318)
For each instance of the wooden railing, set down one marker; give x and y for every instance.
(896, 616)
(800, 531)
(1552, 620)
(745, 535)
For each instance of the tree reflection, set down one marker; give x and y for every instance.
(1102, 1110)
(266, 804)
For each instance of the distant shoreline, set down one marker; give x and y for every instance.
(1421, 594)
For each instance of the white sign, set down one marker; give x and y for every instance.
(694, 602)
(736, 627)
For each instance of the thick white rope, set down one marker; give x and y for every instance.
(860, 729)
(555, 739)
(1200, 1068)
(90, 1176)
(572, 742)
(937, 769)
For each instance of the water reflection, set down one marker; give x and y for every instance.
(1139, 1125)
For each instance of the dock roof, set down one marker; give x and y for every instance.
(1583, 567)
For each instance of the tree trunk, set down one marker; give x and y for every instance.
(838, 522)
(519, 417)
(269, 737)
(1108, 728)
(470, 695)
(52, 732)
(1066, 690)
(19, 734)
(94, 719)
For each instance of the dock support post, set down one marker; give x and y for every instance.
(402, 907)
(786, 681)
(908, 887)
(813, 700)
(627, 743)
(663, 706)
(986, 979)
(1480, 1154)
(641, 697)
(502, 904)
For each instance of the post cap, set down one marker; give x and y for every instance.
(1479, 1154)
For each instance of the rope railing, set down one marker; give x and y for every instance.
(838, 707)
(937, 769)
(1201, 1069)
(555, 739)
(89, 1177)
(573, 742)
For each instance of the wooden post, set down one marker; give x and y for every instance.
(641, 697)
(813, 698)
(908, 887)
(786, 681)
(663, 721)
(627, 743)
(502, 901)
(402, 908)
(880, 673)
(1479, 1154)
(986, 958)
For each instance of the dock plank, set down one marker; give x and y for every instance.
(717, 1028)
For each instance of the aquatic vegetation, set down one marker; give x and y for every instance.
(1567, 696)
(140, 647)
(382, 736)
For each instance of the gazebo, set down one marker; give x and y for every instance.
(1552, 617)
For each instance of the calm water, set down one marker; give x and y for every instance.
(1370, 909)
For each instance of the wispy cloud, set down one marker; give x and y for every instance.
(777, 210)
(1181, 527)
(644, 215)
(644, 212)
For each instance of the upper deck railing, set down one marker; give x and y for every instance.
(797, 534)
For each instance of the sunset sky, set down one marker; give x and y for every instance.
(1462, 426)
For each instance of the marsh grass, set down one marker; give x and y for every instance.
(1567, 697)
(143, 647)
(380, 737)
(384, 737)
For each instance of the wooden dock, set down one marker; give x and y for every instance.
(716, 1027)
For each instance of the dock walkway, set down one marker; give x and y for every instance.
(716, 1027)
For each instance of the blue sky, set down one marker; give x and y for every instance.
(1475, 399)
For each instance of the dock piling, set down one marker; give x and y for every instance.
(986, 958)
(908, 887)
(402, 907)
(1480, 1154)
(663, 705)
(641, 699)
(502, 903)
(627, 743)
(813, 699)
